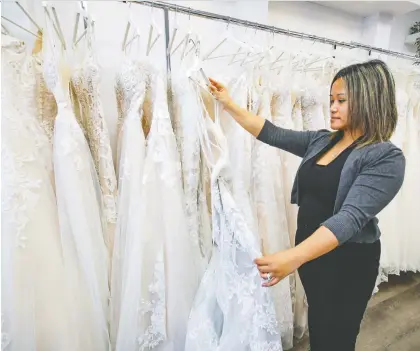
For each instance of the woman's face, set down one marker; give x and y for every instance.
(339, 106)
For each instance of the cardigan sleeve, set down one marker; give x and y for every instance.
(296, 142)
(373, 189)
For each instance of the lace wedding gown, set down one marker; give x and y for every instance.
(183, 106)
(80, 210)
(268, 194)
(160, 281)
(312, 109)
(290, 162)
(85, 83)
(231, 311)
(38, 309)
(393, 245)
(130, 88)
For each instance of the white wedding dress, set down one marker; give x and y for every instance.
(85, 81)
(130, 88)
(80, 209)
(184, 105)
(159, 279)
(39, 311)
(231, 311)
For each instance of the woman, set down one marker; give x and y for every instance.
(345, 179)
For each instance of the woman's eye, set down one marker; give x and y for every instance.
(341, 101)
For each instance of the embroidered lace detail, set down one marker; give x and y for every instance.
(184, 105)
(312, 110)
(20, 193)
(85, 82)
(230, 296)
(141, 245)
(46, 104)
(154, 307)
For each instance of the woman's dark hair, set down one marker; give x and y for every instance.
(371, 98)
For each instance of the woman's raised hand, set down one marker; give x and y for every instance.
(220, 92)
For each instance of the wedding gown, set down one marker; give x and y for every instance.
(231, 311)
(240, 145)
(160, 280)
(410, 258)
(46, 104)
(283, 110)
(130, 88)
(38, 309)
(85, 83)
(393, 246)
(268, 194)
(80, 210)
(198, 219)
(312, 109)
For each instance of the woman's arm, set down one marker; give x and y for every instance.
(296, 142)
(283, 263)
(374, 188)
(250, 122)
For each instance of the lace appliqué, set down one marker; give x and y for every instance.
(85, 82)
(155, 333)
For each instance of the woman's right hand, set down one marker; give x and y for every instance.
(250, 122)
(220, 92)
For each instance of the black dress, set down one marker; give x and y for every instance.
(338, 285)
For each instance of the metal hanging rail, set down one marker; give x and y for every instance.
(272, 29)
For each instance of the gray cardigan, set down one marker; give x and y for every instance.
(371, 177)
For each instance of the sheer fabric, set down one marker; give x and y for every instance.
(39, 311)
(130, 87)
(155, 306)
(80, 212)
(184, 105)
(232, 311)
(85, 83)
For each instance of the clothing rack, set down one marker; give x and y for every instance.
(272, 29)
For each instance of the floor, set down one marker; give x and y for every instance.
(392, 320)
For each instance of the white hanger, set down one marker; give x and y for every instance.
(4, 30)
(21, 27)
(87, 18)
(153, 27)
(29, 16)
(175, 30)
(136, 35)
(56, 25)
(228, 37)
(243, 48)
(127, 29)
(76, 27)
(185, 41)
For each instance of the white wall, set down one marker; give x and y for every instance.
(315, 19)
(381, 29)
(400, 29)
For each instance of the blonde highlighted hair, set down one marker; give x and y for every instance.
(371, 99)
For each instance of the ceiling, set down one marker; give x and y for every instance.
(367, 8)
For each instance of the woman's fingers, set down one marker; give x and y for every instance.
(216, 84)
(264, 269)
(271, 282)
(264, 275)
(261, 261)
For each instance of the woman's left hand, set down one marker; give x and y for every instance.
(277, 266)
